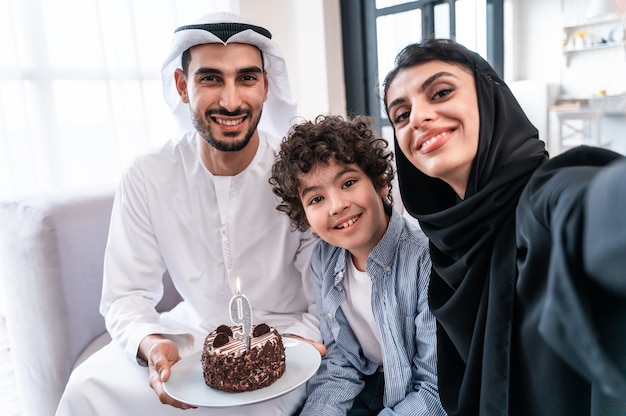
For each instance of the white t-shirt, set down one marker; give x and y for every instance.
(358, 310)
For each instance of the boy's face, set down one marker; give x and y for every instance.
(343, 208)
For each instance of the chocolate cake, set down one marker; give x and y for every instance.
(228, 366)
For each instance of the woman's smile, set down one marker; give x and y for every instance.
(434, 110)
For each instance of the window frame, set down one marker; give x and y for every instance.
(358, 19)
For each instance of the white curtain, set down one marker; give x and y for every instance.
(80, 90)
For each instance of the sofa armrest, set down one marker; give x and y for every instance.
(51, 262)
(51, 259)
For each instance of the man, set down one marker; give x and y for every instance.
(201, 208)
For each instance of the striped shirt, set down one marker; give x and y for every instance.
(399, 267)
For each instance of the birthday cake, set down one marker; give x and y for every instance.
(229, 366)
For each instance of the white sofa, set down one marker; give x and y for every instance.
(51, 256)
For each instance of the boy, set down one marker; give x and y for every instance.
(370, 272)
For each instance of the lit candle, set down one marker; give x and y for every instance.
(241, 313)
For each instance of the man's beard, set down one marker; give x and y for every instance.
(204, 130)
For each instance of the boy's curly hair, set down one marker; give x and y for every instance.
(329, 137)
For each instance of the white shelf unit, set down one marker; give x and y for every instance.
(593, 34)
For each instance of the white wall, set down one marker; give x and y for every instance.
(536, 53)
(534, 50)
(309, 34)
(534, 57)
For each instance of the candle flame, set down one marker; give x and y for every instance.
(238, 286)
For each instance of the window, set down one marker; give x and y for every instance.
(80, 87)
(375, 31)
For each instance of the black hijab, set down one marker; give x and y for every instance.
(473, 247)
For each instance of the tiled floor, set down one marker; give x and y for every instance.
(9, 402)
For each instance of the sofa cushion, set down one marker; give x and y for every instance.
(51, 257)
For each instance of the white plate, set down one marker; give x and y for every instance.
(186, 382)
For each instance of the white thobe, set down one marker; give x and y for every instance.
(170, 213)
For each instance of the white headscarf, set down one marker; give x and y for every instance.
(223, 27)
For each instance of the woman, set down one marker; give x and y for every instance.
(522, 329)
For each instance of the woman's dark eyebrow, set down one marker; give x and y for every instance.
(429, 81)
(434, 78)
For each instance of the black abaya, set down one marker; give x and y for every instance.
(505, 267)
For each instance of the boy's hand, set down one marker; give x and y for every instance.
(318, 345)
